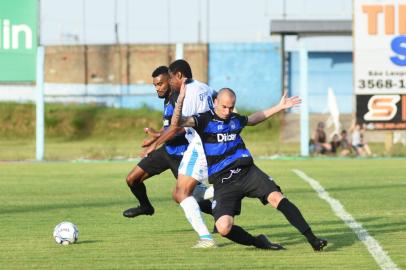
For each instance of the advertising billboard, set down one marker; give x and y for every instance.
(18, 40)
(380, 63)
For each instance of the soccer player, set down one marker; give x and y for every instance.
(233, 173)
(164, 158)
(193, 167)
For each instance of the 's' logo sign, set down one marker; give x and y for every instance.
(382, 107)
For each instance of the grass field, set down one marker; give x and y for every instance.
(34, 197)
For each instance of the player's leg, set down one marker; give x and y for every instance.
(192, 170)
(153, 164)
(183, 195)
(200, 192)
(227, 203)
(295, 217)
(262, 186)
(135, 182)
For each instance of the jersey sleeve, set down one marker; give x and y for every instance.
(197, 100)
(189, 107)
(243, 119)
(201, 121)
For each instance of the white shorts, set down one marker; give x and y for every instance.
(194, 161)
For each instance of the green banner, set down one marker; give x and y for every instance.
(18, 40)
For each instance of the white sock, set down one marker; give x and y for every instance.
(194, 216)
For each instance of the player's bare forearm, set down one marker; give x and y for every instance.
(261, 116)
(165, 136)
(177, 119)
(284, 103)
(168, 134)
(148, 142)
(177, 112)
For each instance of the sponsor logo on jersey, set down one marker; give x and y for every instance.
(232, 124)
(202, 96)
(226, 137)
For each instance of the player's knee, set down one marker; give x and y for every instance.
(223, 227)
(275, 198)
(129, 180)
(133, 180)
(179, 197)
(180, 194)
(174, 196)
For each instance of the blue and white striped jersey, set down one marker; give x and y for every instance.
(223, 145)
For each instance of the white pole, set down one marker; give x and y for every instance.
(179, 51)
(304, 108)
(40, 104)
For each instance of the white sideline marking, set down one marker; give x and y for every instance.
(377, 252)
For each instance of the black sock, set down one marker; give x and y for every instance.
(140, 192)
(205, 207)
(240, 236)
(310, 236)
(293, 215)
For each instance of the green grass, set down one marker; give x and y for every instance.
(34, 197)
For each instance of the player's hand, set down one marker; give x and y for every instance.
(152, 132)
(154, 135)
(148, 150)
(148, 142)
(290, 102)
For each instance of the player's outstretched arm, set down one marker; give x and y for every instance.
(284, 103)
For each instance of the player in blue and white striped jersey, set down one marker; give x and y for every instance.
(193, 167)
(167, 157)
(232, 171)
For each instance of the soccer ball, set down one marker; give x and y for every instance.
(66, 233)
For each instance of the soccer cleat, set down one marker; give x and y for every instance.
(318, 244)
(205, 243)
(262, 242)
(139, 210)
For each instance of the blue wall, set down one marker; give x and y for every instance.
(252, 70)
(325, 70)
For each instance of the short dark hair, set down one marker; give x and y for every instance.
(159, 71)
(182, 66)
(226, 89)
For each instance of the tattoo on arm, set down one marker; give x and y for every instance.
(177, 112)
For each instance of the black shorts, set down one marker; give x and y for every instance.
(239, 183)
(159, 161)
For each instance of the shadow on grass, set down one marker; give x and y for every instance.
(87, 242)
(338, 238)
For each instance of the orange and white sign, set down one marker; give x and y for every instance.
(380, 60)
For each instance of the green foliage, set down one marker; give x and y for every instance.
(76, 122)
(91, 131)
(17, 120)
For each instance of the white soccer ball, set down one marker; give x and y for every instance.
(66, 233)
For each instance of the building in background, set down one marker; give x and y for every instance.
(104, 50)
